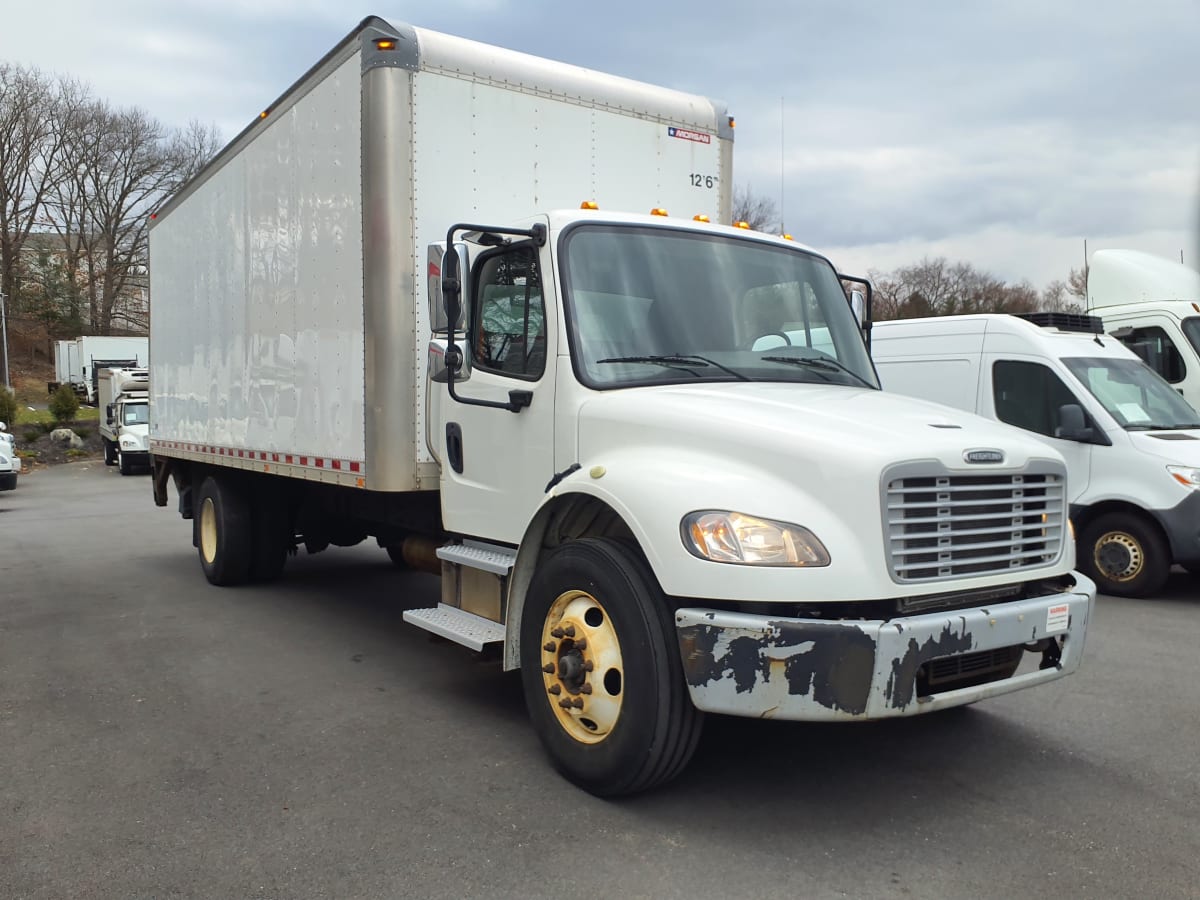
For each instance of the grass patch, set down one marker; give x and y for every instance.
(43, 417)
(27, 454)
(74, 454)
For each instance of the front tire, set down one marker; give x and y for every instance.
(601, 670)
(1125, 555)
(110, 453)
(123, 464)
(223, 532)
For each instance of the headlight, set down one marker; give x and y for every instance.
(731, 537)
(1185, 475)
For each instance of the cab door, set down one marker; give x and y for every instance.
(1029, 394)
(496, 462)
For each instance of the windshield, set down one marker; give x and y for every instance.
(654, 306)
(1135, 395)
(135, 414)
(1191, 328)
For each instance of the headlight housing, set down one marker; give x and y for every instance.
(1185, 475)
(733, 537)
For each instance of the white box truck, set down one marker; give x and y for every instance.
(10, 463)
(1132, 444)
(382, 312)
(1151, 305)
(90, 354)
(125, 418)
(64, 364)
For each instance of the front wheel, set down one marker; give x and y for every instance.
(123, 464)
(110, 452)
(1125, 555)
(601, 670)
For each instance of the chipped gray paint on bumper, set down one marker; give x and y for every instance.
(821, 670)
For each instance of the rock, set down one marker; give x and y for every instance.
(67, 438)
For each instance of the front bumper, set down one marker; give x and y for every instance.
(822, 670)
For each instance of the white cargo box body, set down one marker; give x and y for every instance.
(288, 280)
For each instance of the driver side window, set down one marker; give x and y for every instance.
(508, 324)
(1029, 395)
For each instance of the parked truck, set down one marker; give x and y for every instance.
(10, 463)
(79, 362)
(1151, 305)
(648, 455)
(125, 418)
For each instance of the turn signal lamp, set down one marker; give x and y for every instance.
(589, 204)
(745, 225)
(385, 44)
(658, 211)
(701, 218)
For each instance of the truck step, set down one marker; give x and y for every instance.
(456, 625)
(486, 557)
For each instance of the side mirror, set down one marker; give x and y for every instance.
(438, 260)
(858, 305)
(1073, 427)
(108, 412)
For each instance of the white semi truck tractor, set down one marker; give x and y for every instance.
(648, 454)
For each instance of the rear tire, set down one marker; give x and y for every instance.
(223, 531)
(613, 713)
(1124, 554)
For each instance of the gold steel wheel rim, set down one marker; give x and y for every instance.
(208, 530)
(1102, 556)
(582, 667)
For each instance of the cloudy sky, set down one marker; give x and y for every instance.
(1001, 134)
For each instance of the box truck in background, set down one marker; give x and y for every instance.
(78, 362)
(382, 312)
(1151, 305)
(1132, 444)
(124, 400)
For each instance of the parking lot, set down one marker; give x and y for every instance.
(160, 737)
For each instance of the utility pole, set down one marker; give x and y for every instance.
(4, 332)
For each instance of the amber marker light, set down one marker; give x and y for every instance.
(787, 237)
(263, 114)
(385, 44)
(589, 204)
(701, 218)
(732, 124)
(658, 211)
(745, 225)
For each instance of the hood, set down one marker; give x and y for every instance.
(826, 424)
(1179, 448)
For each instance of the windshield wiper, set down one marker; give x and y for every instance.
(832, 364)
(1178, 426)
(675, 359)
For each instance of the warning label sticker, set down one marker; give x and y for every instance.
(698, 136)
(1058, 618)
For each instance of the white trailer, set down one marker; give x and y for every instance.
(89, 354)
(65, 362)
(1151, 305)
(648, 455)
(124, 401)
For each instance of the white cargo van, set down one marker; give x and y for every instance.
(1131, 443)
(1152, 306)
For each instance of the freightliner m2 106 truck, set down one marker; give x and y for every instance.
(648, 455)
(124, 417)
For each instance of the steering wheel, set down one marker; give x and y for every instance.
(787, 341)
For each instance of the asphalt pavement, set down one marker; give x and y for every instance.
(160, 737)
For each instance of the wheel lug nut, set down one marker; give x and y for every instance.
(558, 633)
(565, 703)
(588, 666)
(549, 646)
(548, 668)
(577, 702)
(569, 631)
(555, 689)
(585, 689)
(581, 644)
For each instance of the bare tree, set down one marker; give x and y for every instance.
(758, 211)
(937, 287)
(1077, 284)
(30, 143)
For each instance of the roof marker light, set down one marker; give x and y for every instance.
(264, 113)
(701, 218)
(589, 204)
(745, 225)
(385, 44)
(786, 236)
(732, 124)
(658, 211)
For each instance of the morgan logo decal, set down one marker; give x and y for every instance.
(682, 133)
(983, 456)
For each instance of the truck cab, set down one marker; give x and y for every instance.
(10, 463)
(1152, 306)
(1131, 443)
(125, 421)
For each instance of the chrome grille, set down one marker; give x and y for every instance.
(950, 526)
